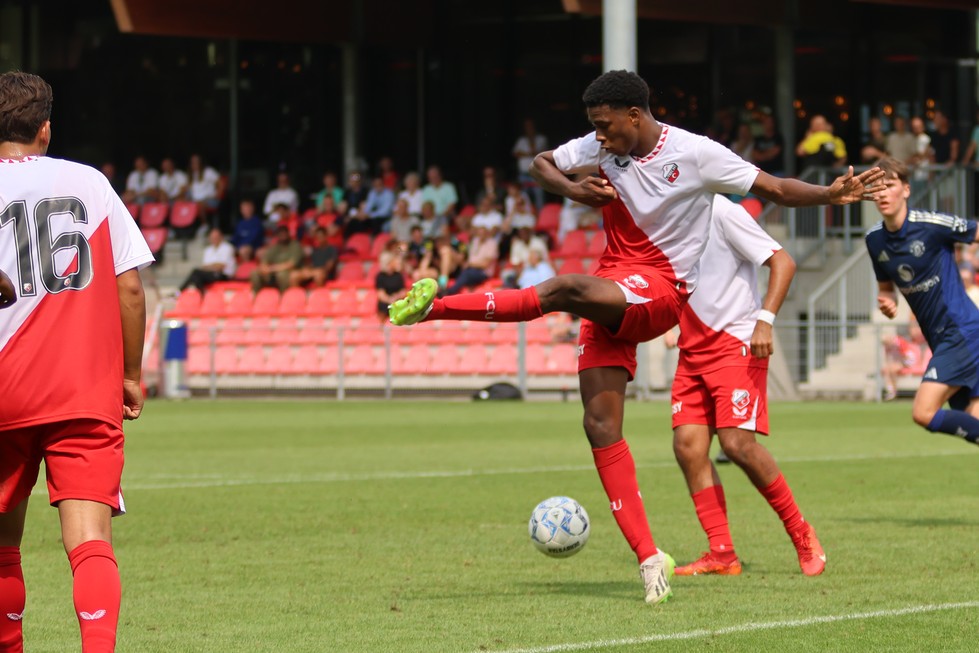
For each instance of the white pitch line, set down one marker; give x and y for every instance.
(192, 481)
(745, 628)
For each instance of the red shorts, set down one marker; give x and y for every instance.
(729, 397)
(654, 308)
(83, 459)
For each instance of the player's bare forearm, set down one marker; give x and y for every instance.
(549, 177)
(782, 271)
(132, 309)
(846, 189)
(887, 299)
(8, 295)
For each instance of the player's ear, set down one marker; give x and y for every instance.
(43, 137)
(907, 191)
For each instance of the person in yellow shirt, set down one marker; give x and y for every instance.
(820, 147)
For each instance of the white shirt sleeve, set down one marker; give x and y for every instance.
(129, 249)
(578, 156)
(743, 234)
(722, 170)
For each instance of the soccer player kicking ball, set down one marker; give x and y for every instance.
(70, 349)
(913, 251)
(721, 385)
(656, 186)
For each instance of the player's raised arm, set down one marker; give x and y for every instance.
(132, 308)
(7, 293)
(592, 191)
(846, 189)
(887, 298)
(782, 271)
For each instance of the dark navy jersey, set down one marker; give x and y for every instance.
(919, 258)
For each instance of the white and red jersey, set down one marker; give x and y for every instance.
(64, 236)
(662, 213)
(717, 322)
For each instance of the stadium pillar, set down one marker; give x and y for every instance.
(233, 129)
(785, 84)
(619, 35)
(351, 121)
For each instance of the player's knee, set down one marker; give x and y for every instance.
(684, 450)
(739, 450)
(602, 431)
(922, 416)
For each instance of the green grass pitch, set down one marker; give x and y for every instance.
(401, 527)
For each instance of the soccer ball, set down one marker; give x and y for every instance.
(559, 527)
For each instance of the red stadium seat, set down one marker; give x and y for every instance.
(319, 302)
(357, 248)
(183, 214)
(133, 209)
(445, 360)
(574, 245)
(380, 242)
(200, 331)
(188, 303)
(252, 360)
(293, 302)
(266, 302)
(240, 302)
(306, 360)
(318, 334)
(329, 361)
(502, 360)
(153, 214)
(286, 331)
(752, 205)
(596, 246)
(225, 360)
(279, 360)
(199, 360)
(416, 361)
(549, 219)
(155, 238)
(351, 271)
(213, 304)
(258, 335)
(363, 360)
(571, 266)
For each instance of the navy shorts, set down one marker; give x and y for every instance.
(955, 365)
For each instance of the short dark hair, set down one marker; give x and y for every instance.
(25, 105)
(619, 89)
(893, 168)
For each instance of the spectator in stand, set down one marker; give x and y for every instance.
(206, 186)
(969, 282)
(412, 194)
(524, 240)
(820, 147)
(442, 194)
(972, 149)
(249, 230)
(480, 263)
(923, 154)
(328, 213)
(491, 188)
(537, 270)
(385, 170)
(278, 262)
(379, 205)
(944, 144)
(488, 217)
(283, 193)
(246, 263)
(529, 145)
(514, 192)
(875, 146)
(218, 263)
(355, 220)
(724, 127)
(744, 142)
(901, 355)
(321, 264)
(769, 146)
(389, 282)
(575, 215)
(433, 225)
(173, 183)
(142, 184)
(442, 260)
(332, 190)
(109, 170)
(334, 234)
(415, 248)
(900, 142)
(402, 222)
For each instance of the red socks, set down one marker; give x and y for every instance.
(97, 594)
(779, 497)
(495, 306)
(712, 512)
(617, 470)
(12, 600)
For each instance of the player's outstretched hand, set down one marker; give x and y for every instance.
(887, 306)
(761, 340)
(132, 399)
(848, 188)
(7, 293)
(594, 191)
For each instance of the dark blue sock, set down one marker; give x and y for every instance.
(956, 422)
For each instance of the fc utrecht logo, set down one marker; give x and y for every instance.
(670, 172)
(917, 248)
(740, 400)
(636, 281)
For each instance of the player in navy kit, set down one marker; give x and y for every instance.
(913, 252)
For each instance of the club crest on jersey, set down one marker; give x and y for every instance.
(906, 272)
(883, 258)
(622, 163)
(740, 400)
(670, 172)
(636, 281)
(917, 248)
